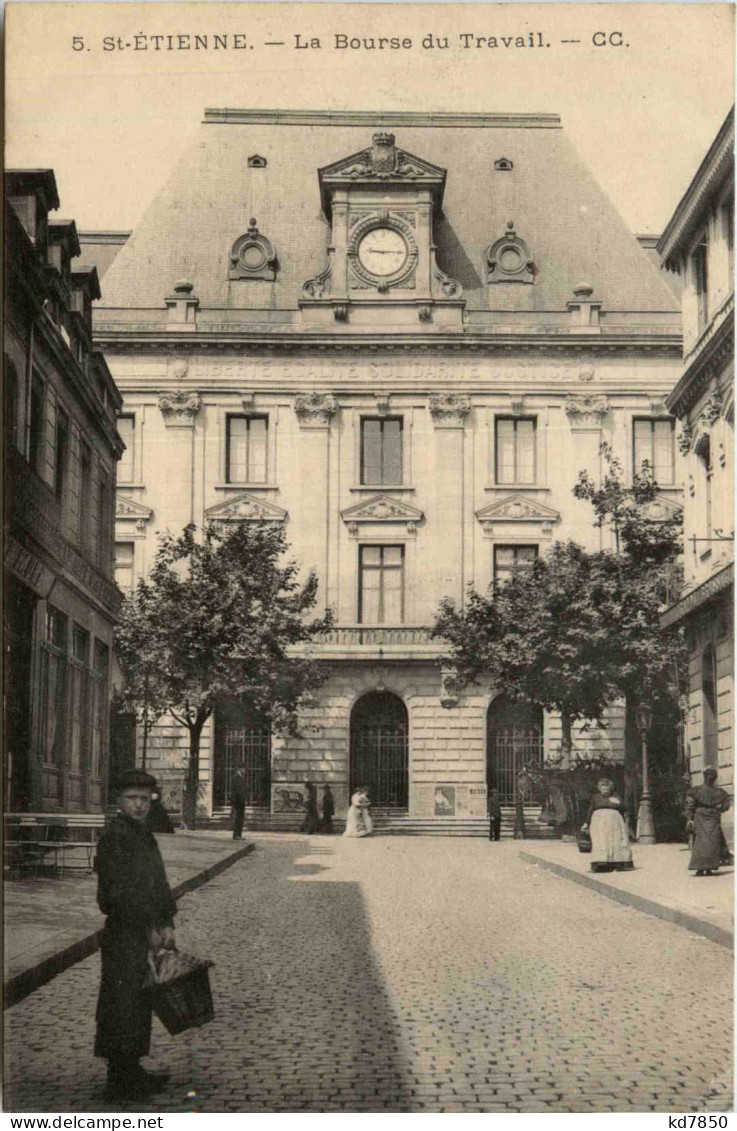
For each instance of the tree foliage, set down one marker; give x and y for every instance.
(577, 630)
(218, 619)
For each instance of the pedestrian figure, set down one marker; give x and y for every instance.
(495, 815)
(238, 798)
(310, 823)
(704, 807)
(605, 820)
(358, 821)
(684, 788)
(132, 891)
(158, 819)
(328, 809)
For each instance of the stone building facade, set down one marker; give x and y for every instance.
(698, 243)
(403, 336)
(61, 448)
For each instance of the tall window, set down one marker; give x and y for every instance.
(104, 523)
(54, 687)
(79, 701)
(124, 565)
(381, 585)
(381, 449)
(99, 714)
(703, 451)
(11, 401)
(508, 559)
(728, 228)
(37, 439)
(246, 444)
(61, 455)
(654, 443)
(85, 493)
(710, 722)
(515, 449)
(701, 281)
(126, 431)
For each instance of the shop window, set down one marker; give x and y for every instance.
(54, 672)
(381, 585)
(709, 706)
(126, 431)
(381, 450)
(509, 559)
(654, 444)
(515, 450)
(246, 438)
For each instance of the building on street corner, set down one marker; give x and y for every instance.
(698, 243)
(402, 335)
(61, 449)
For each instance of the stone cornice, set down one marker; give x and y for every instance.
(118, 339)
(693, 204)
(370, 118)
(706, 364)
(710, 589)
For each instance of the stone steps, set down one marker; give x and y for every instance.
(393, 822)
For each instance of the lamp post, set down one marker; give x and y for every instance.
(645, 822)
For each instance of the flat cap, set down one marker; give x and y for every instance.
(135, 779)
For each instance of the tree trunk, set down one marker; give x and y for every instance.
(193, 775)
(566, 742)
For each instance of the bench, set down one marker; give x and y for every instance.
(55, 841)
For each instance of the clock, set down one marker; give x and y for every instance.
(382, 251)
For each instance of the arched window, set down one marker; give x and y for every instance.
(710, 724)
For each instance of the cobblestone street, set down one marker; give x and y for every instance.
(409, 974)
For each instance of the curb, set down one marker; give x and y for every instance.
(23, 984)
(681, 918)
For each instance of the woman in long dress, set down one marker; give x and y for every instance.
(610, 842)
(704, 807)
(358, 820)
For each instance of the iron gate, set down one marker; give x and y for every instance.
(248, 746)
(379, 749)
(514, 740)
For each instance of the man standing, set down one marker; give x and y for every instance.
(238, 797)
(132, 891)
(309, 825)
(495, 815)
(328, 809)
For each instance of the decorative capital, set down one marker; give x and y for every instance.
(712, 409)
(315, 410)
(449, 410)
(449, 690)
(685, 439)
(180, 408)
(383, 403)
(586, 410)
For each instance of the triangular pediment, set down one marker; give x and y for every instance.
(130, 510)
(517, 508)
(382, 508)
(245, 508)
(661, 509)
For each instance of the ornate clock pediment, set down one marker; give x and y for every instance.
(382, 508)
(381, 162)
(517, 509)
(245, 508)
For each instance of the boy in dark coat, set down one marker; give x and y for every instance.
(132, 891)
(495, 815)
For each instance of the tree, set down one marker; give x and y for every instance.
(219, 618)
(144, 692)
(539, 637)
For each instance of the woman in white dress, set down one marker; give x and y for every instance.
(605, 821)
(358, 820)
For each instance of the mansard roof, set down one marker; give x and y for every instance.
(499, 168)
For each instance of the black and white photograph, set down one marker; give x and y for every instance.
(369, 475)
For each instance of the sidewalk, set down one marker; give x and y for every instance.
(660, 884)
(51, 923)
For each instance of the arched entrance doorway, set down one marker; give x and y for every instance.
(514, 739)
(241, 740)
(379, 748)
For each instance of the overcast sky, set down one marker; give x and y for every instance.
(112, 124)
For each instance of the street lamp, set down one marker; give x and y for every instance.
(645, 823)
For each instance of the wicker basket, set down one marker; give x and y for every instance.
(185, 1002)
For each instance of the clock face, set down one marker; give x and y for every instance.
(382, 251)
